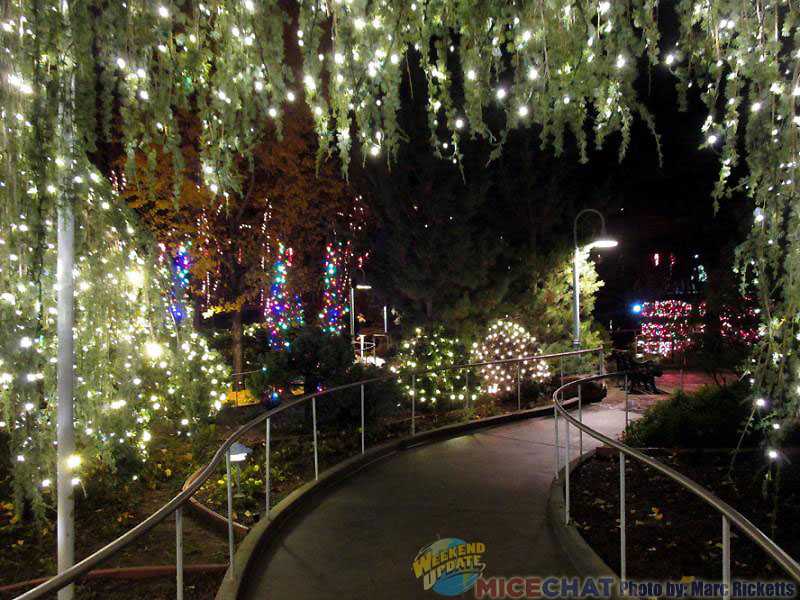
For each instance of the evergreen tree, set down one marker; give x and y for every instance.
(547, 308)
(461, 245)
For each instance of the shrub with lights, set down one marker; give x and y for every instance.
(428, 349)
(135, 367)
(507, 340)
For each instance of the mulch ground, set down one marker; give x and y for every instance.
(28, 551)
(671, 533)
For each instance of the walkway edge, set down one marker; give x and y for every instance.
(582, 556)
(262, 531)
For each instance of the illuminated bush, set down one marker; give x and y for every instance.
(507, 340)
(428, 350)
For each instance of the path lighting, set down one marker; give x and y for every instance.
(602, 241)
(239, 453)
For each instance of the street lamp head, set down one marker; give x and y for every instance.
(363, 285)
(603, 242)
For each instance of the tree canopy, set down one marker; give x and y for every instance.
(235, 238)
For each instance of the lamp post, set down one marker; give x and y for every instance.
(603, 241)
(239, 453)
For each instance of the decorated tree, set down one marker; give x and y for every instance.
(282, 310)
(505, 340)
(135, 368)
(335, 307)
(261, 248)
(429, 349)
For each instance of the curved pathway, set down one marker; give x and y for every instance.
(359, 540)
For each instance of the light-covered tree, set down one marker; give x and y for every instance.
(135, 367)
(506, 340)
(429, 349)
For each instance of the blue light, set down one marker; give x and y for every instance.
(636, 309)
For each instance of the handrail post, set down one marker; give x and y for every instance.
(726, 557)
(232, 564)
(362, 418)
(466, 385)
(555, 422)
(179, 553)
(519, 393)
(580, 418)
(566, 473)
(602, 361)
(623, 570)
(314, 425)
(561, 360)
(266, 468)
(413, 402)
(626, 401)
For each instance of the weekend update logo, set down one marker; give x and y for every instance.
(449, 566)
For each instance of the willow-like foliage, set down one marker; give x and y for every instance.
(76, 72)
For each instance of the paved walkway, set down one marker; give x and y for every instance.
(359, 541)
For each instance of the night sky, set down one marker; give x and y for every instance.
(664, 208)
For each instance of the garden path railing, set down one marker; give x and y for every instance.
(727, 512)
(176, 505)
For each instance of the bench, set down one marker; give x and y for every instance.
(641, 373)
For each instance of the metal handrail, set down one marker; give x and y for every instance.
(729, 514)
(72, 574)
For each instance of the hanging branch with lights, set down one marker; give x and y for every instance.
(135, 369)
(564, 67)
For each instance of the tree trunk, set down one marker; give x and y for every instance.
(429, 309)
(236, 329)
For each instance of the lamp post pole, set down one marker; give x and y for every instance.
(65, 381)
(352, 313)
(576, 292)
(602, 242)
(353, 287)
